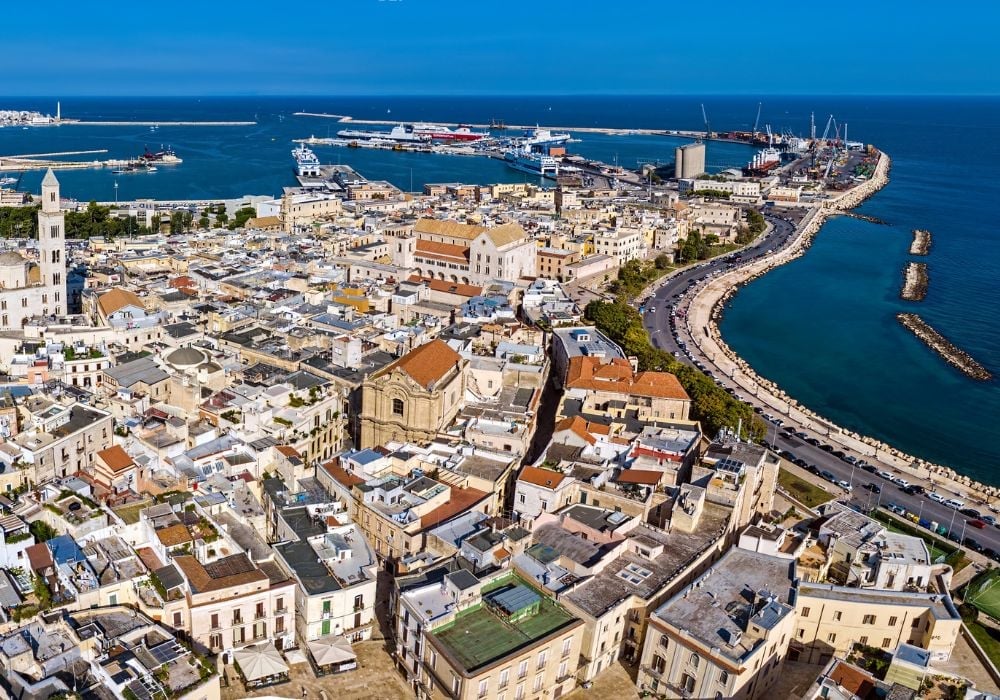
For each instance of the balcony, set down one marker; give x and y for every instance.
(358, 607)
(280, 611)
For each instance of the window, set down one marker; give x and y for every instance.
(864, 640)
(562, 670)
(723, 677)
(567, 643)
(397, 407)
(886, 642)
(868, 620)
(916, 622)
(537, 685)
(520, 497)
(805, 612)
(504, 677)
(215, 621)
(484, 687)
(832, 637)
(522, 669)
(664, 641)
(279, 606)
(177, 619)
(694, 660)
(279, 625)
(836, 616)
(687, 683)
(659, 663)
(543, 656)
(54, 231)
(519, 693)
(893, 620)
(454, 684)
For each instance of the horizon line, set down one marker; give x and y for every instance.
(497, 94)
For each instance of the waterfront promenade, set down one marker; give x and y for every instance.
(705, 306)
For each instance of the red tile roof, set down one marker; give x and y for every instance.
(463, 290)
(445, 251)
(116, 458)
(616, 376)
(426, 364)
(578, 426)
(460, 501)
(852, 679)
(639, 476)
(546, 478)
(341, 475)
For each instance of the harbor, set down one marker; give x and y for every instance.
(146, 162)
(915, 282)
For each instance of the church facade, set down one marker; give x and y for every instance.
(29, 288)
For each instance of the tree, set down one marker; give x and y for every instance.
(204, 222)
(242, 216)
(221, 218)
(42, 531)
(155, 221)
(186, 219)
(662, 261)
(176, 222)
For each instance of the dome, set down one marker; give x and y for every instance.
(11, 258)
(186, 357)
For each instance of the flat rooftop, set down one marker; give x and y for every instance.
(477, 637)
(724, 601)
(941, 606)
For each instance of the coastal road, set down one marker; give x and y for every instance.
(664, 318)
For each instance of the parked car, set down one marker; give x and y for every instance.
(845, 484)
(874, 488)
(989, 520)
(870, 468)
(936, 497)
(893, 508)
(901, 482)
(972, 544)
(828, 476)
(970, 512)
(914, 490)
(977, 523)
(814, 469)
(954, 503)
(885, 475)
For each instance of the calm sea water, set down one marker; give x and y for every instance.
(823, 327)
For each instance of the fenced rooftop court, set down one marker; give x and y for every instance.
(984, 593)
(479, 636)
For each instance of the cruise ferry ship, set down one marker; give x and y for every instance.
(544, 137)
(444, 133)
(400, 132)
(533, 163)
(306, 162)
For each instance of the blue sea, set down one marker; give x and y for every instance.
(822, 327)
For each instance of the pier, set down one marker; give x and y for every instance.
(921, 242)
(23, 156)
(956, 357)
(157, 124)
(915, 282)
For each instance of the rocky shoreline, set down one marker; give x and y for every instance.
(937, 474)
(915, 282)
(921, 242)
(954, 356)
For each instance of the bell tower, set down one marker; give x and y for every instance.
(52, 244)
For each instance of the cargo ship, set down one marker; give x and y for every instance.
(166, 156)
(533, 163)
(543, 137)
(763, 162)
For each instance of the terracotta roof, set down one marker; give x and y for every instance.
(501, 554)
(116, 458)
(235, 570)
(174, 535)
(459, 502)
(506, 234)
(427, 363)
(545, 478)
(453, 229)
(616, 376)
(577, 426)
(290, 452)
(118, 298)
(442, 250)
(341, 475)
(182, 281)
(852, 679)
(263, 222)
(464, 290)
(639, 476)
(39, 556)
(149, 558)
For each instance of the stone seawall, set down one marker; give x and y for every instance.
(921, 242)
(954, 356)
(915, 282)
(713, 298)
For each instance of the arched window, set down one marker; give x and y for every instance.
(694, 660)
(397, 407)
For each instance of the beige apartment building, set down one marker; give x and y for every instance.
(415, 397)
(231, 603)
(724, 636)
(832, 619)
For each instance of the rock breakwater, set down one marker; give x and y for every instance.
(954, 356)
(915, 282)
(921, 242)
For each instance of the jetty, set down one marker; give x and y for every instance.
(156, 124)
(915, 282)
(866, 217)
(921, 242)
(954, 356)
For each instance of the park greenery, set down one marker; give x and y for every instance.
(710, 405)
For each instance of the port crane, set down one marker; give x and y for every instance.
(756, 122)
(708, 126)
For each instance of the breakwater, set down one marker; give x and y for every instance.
(954, 356)
(921, 242)
(915, 282)
(866, 217)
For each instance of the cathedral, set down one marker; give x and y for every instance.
(29, 288)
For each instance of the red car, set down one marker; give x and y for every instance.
(976, 523)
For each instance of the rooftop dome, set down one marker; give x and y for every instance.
(186, 357)
(11, 258)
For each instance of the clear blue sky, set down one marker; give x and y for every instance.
(332, 47)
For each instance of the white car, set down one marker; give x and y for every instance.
(901, 482)
(936, 497)
(844, 484)
(886, 475)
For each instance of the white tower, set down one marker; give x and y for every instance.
(58, 111)
(52, 244)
